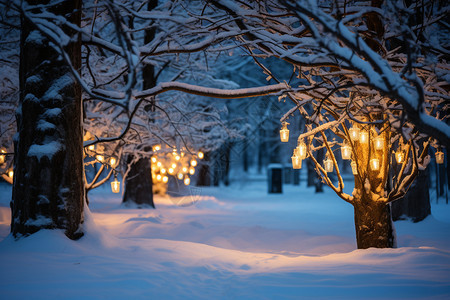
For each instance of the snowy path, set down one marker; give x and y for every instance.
(235, 242)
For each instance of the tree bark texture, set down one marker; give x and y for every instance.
(138, 184)
(48, 189)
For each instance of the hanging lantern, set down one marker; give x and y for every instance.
(375, 164)
(174, 166)
(163, 171)
(2, 156)
(165, 179)
(171, 171)
(354, 133)
(187, 181)
(296, 162)
(156, 148)
(300, 151)
(180, 176)
(91, 147)
(346, 151)
(159, 164)
(439, 157)
(112, 162)
(400, 156)
(100, 158)
(200, 155)
(284, 132)
(191, 170)
(328, 165)
(177, 157)
(379, 143)
(185, 169)
(10, 173)
(158, 177)
(154, 159)
(354, 168)
(115, 185)
(193, 162)
(364, 136)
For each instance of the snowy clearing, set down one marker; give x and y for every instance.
(232, 242)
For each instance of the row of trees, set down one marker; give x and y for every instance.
(112, 66)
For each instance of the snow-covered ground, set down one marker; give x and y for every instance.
(233, 242)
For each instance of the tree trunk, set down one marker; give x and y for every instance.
(204, 176)
(48, 189)
(416, 203)
(138, 184)
(373, 224)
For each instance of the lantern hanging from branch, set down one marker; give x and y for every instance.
(284, 132)
(180, 176)
(91, 147)
(192, 170)
(296, 162)
(439, 157)
(165, 179)
(354, 133)
(115, 185)
(379, 143)
(354, 168)
(193, 162)
(364, 137)
(200, 155)
(100, 158)
(300, 151)
(2, 156)
(400, 156)
(375, 164)
(346, 151)
(328, 164)
(112, 162)
(187, 181)
(10, 173)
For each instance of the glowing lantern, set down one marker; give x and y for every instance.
(174, 166)
(354, 168)
(10, 173)
(91, 147)
(159, 164)
(115, 185)
(112, 162)
(379, 143)
(354, 133)
(296, 162)
(158, 177)
(200, 155)
(187, 181)
(2, 156)
(328, 165)
(177, 157)
(346, 151)
(180, 176)
(284, 132)
(165, 179)
(439, 157)
(193, 162)
(375, 164)
(100, 158)
(191, 170)
(156, 147)
(163, 171)
(300, 151)
(185, 169)
(364, 136)
(154, 159)
(400, 156)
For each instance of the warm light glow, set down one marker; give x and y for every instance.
(91, 147)
(284, 133)
(171, 171)
(154, 159)
(375, 164)
(115, 186)
(11, 173)
(180, 176)
(156, 147)
(100, 158)
(158, 177)
(185, 169)
(200, 155)
(354, 133)
(174, 166)
(187, 181)
(159, 164)
(163, 171)
(193, 162)
(379, 143)
(346, 151)
(112, 162)
(364, 136)
(354, 168)
(296, 162)
(300, 151)
(191, 170)
(439, 157)
(2, 157)
(177, 157)
(165, 179)
(153, 176)
(328, 165)
(399, 156)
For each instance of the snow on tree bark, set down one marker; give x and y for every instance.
(48, 189)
